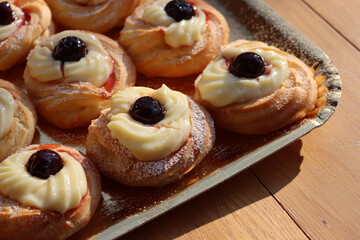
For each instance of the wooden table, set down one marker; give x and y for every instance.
(308, 190)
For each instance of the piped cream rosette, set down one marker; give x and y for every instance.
(150, 142)
(95, 67)
(8, 108)
(7, 30)
(70, 94)
(220, 87)
(183, 33)
(17, 119)
(282, 95)
(157, 154)
(52, 208)
(60, 192)
(160, 46)
(33, 19)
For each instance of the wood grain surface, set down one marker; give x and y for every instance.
(308, 190)
(342, 16)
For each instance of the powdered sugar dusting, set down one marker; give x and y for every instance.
(246, 22)
(116, 161)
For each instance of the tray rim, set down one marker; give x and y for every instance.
(238, 165)
(210, 181)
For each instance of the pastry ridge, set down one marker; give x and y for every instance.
(23, 125)
(117, 162)
(294, 99)
(18, 221)
(17, 46)
(153, 57)
(70, 105)
(96, 18)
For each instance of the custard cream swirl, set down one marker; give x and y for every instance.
(95, 67)
(150, 142)
(220, 87)
(183, 33)
(7, 30)
(60, 192)
(8, 108)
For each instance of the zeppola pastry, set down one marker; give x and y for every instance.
(72, 75)
(92, 15)
(254, 88)
(21, 23)
(46, 192)
(174, 38)
(149, 137)
(17, 119)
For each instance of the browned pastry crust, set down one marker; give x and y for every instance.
(20, 222)
(115, 161)
(153, 57)
(70, 105)
(130, 11)
(23, 124)
(16, 47)
(92, 17)
(291, 102)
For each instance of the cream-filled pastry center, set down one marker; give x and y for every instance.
(156, 141)
(60, 192)
(95, 67)
(183, 33)
(8, 108)
(218, 86)
(7, 30)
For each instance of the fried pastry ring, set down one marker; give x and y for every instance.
(22, 222)
(37, 19)
(117, 162)
(295, 97)
(92, 15)
(23, 124)
(154, 57)
(75, 104)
